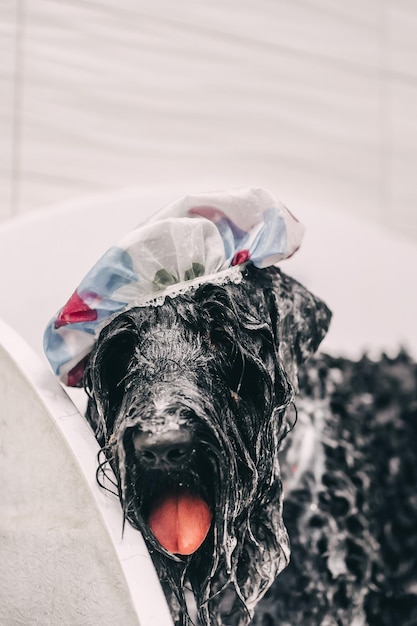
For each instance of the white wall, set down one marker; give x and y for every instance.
(315, 99)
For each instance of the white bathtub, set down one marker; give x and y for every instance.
(63, 558)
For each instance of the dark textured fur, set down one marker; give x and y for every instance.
(352, 513)
(220, 365)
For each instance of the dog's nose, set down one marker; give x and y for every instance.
(163, 450)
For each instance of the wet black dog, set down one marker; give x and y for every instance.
(197, 396)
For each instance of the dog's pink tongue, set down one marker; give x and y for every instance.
(180, 521)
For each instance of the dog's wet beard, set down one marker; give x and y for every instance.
(206, 364)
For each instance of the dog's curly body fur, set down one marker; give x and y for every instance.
(215, 371)
(350, 490)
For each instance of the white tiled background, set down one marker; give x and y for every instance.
(315, 99)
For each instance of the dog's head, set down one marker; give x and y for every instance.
(190, 401)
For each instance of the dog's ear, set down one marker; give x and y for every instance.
(301, 321)
(106, 372)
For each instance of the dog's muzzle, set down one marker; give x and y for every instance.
(178, 516)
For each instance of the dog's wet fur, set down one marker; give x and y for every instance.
(212, 390)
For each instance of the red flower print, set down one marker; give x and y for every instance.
(241, 257)
(75, 310)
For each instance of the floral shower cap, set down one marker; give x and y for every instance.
(200, 238)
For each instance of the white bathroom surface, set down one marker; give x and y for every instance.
(367, 276)
(316, 96)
